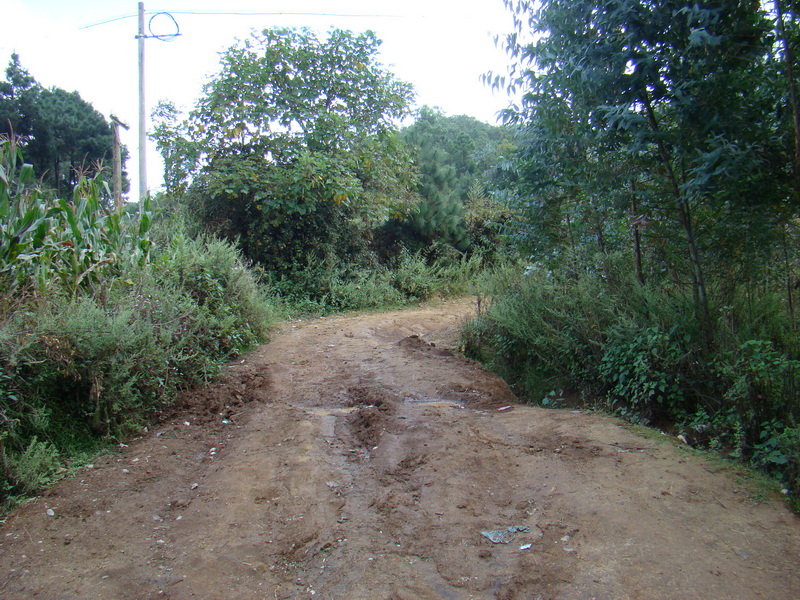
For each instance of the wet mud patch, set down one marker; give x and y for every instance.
(371, 397)
(373, 408)
(367, 425)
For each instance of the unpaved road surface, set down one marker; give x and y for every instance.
(352, 459)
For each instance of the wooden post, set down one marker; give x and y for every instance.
(117, 163)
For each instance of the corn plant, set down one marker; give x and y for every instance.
(75, 242)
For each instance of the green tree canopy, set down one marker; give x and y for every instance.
(291, 146)
(457, 157)
(658, 179)
(283, 91)
(665, 110)
(62, 134)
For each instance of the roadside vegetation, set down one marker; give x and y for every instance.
(657, 185)
(298, 201)
(105, 317)
(293, 153)
(631, 230)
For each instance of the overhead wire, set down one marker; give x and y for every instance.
(133, 16)
(245, 14)
(272, 13)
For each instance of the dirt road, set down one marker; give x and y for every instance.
(353, 459)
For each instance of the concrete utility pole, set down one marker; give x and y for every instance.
(117, 163)
(142, 112)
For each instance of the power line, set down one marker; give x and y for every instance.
(261, 14)
(248, 14)
(133, 16)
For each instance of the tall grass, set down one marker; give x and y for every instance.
(100, 325)
(635, 350)
(406, 279)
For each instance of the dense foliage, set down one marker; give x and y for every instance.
(657, 187)
(457, 158)
(103, 318)
(293, 152)
(62, 134)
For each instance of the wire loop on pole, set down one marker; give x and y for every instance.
(163, 37)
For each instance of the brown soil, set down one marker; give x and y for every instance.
(356, 458)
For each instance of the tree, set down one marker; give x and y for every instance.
(18, 96)
(178, 152)
(454, 155)
(657, 183)
(283, 91)
(79, 139)
(291, 147)
(62, 134)
(658, 106)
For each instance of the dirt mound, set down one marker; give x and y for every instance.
(372, 414)
(415, 342)
(360, 458)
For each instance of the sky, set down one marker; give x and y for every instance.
(440, 46)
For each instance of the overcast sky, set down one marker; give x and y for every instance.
(440, 46)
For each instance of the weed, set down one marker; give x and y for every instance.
(636, 352)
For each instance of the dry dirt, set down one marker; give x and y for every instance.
(356, 457)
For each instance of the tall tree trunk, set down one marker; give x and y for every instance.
(788, 56)
(574, 252)
(637, 238)
(685, 220)
(788, 268)
(601, 239)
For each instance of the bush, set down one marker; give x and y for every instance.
(365, 290)
(543, 332)
(412, 276)
(81, 366)
(641, 373)
(329, 286)
(33, 468)
(635, 349)
(760, 382)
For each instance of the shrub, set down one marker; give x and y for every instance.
(636, 350)
(412, 276)
(33, 468)
(641, 373)
(86, 360)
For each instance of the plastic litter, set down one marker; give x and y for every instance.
(525, 547)
(505, 536)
